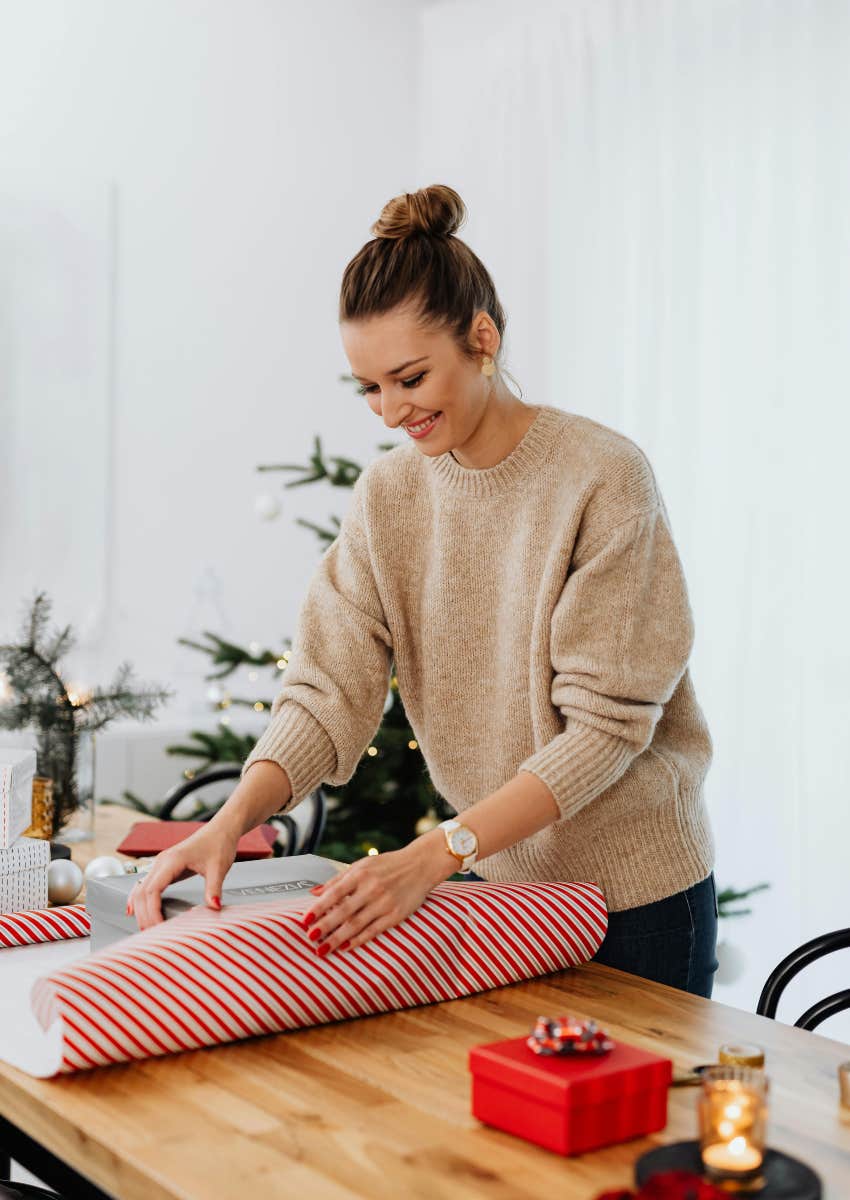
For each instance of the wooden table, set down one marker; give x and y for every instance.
(379, 1107)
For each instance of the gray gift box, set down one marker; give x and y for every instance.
(287, 880)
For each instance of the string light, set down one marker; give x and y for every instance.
(281, 663)
(372, 751)
(413, 745)
(78, 694)
(259, 706)
(373, 850)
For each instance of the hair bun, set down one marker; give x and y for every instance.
(436, 210)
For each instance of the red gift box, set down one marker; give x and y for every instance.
(569, 1103)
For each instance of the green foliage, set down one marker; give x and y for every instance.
(41, 699)
(728, 896)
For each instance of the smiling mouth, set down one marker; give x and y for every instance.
(423, 427)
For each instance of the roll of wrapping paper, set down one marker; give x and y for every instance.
(208, 977)
(44, 925)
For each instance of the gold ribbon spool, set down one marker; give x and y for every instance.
(742, 1054)
(844, 1083)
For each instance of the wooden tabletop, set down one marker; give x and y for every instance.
(380, 1107)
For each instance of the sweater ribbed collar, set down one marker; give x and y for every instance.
(522, 462)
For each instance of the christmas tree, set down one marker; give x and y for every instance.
(390, 799)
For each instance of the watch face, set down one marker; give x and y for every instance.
(463, 841)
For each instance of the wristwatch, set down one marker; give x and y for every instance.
(461, 841)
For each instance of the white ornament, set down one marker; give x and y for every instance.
(388, 703)
(732, 960)
(103, 865)
(64, 880)
(267, 507)
(426, 823)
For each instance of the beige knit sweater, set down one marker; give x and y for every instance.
(538, 618)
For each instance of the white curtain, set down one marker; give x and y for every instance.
(661, 189)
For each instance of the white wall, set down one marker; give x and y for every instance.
(202, 171)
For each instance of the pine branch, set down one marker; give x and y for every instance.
(327, 536)
(730, 896)
(230, 656)
(343, 473)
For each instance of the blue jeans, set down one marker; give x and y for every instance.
(670, 941)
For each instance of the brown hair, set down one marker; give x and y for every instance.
(415, 259)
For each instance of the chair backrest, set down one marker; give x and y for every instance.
(300, 831)
(790, 966)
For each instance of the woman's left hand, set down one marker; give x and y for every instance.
(372, 895)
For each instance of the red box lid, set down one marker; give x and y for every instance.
(567, 1081)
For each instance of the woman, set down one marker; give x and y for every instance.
(517, 564)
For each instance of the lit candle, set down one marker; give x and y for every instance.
(732, 1112)
(737, 1155)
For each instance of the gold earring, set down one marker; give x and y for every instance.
(488, 367)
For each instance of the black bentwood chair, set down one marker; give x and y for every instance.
(299, 832)
(12, 1190)
(779, 979)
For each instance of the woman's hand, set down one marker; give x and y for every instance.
(375, 893)
(209, 852)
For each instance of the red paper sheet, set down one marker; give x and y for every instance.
(150, 837)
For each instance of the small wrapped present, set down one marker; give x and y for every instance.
(566, 1100)
(23, 875)
(17, 768)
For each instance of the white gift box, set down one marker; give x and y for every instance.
(23, 875)
(17, 768)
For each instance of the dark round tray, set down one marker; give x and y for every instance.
(785, 1178)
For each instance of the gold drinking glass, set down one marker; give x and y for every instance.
(42, 808)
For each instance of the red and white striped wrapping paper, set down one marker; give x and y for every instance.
(44, 925)
(208, 977)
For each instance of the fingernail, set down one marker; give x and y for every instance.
(309, 918)
(315, 935)
(323, 949)
(316, 889)
(128, 908)
(216, 902)
(344, 945)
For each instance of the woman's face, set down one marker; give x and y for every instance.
(437, 394)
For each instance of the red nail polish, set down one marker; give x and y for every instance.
(309, 918)
(323, 949)
(315, 934)
(344, 945)
(216, 902)
(315, 890)
(128, 908)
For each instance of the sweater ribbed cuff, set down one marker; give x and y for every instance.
(578, 764)
(296, 741)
